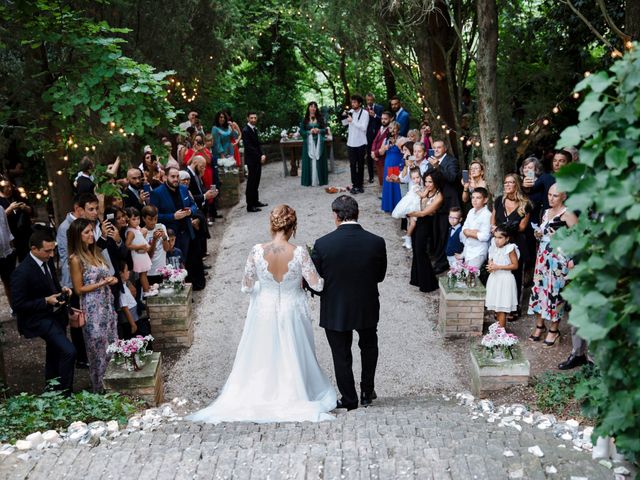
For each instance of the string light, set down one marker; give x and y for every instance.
(545, 122)
(555, 110)
(576, 95)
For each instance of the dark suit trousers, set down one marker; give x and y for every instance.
(253, 183)
(370, 162)
(60, 357)
(440, 238)
(356, 162)
(340, 343)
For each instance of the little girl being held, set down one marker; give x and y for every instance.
(139, 247)
(502, 294)
(410, 203)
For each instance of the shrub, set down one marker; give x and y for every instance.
(605, 284)
(567, 394)
(26, 413)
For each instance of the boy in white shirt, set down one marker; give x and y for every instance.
(476, 231)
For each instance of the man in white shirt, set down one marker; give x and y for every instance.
(358, 121)
(476, 231)
(419, 160)
(191, 122)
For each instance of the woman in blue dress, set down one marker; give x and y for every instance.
(393, 164)
(222, 132)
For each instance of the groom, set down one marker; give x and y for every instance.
(352, 262)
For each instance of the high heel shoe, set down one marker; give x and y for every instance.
(536, 338)
(551, 344)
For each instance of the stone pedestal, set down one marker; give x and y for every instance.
(489, 374)
(171, 320)
(145, 383)
(461, 310)
(229, 194)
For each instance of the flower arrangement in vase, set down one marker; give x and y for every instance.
(228, 165)
(462, 275)
(130, 353)
(497, 343)
(172, 277)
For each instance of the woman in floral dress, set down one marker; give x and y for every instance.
(551, 271)
(91, 282)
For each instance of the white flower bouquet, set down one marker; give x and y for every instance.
(498, 342)
(130, 352)
(173, 277)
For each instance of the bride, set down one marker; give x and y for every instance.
(275, 375)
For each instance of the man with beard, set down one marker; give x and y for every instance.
(381, 135)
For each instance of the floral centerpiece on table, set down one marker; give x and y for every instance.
(130, 353)
(269, 134)
(498, 342)
(463, 274)
(172, 277)
(228, 165)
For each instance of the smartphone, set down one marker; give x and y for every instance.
(146, 187)
(465, 176)
(431, 152)
(109, 217)
(530, 174)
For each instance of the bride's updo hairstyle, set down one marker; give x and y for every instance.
(283, 219)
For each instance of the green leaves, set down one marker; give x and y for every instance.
(604, 290)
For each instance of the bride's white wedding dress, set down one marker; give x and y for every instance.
(275, 375)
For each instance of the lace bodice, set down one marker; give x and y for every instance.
(300, 266)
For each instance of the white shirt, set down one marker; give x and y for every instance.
(357, 135)
(479, 220)
(423, 165)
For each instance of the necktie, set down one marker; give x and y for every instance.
(47, 274)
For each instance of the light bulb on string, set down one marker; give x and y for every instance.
(59, 172)
(515, 138)
(576, 95)
(75, 145)
(527, 131)
(86, 149)
(38, 196)
(545, 122)
(50, 184)
(586, 74)
(555, 109)
(491, 145)
(45, 192)
(23, 194)
(506, 141)
(477, 144)
(65, 158)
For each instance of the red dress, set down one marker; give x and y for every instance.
(236, 151)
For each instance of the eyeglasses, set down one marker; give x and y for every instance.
(454, 218)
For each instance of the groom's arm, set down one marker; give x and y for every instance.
(316, 258)
(383, 261)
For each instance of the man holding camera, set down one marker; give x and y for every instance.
(358, 121)
(40, 304)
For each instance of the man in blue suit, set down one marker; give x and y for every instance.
(375, 114)
(175, 208)
(402, 116)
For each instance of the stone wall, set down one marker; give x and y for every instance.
(171, 319)
(461, 310)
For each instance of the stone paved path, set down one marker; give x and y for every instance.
(397, 438)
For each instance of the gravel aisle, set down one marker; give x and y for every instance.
(413, 358)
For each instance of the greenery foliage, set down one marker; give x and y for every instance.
(26, 413)
(604, 291)
(567, 394)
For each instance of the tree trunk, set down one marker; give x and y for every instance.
(61, 192)
(423, 47)
(389, 79)
(488, 93)
(632, 19)
(343, 78)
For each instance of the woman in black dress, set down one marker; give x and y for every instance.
(513, 210)
(422, 274)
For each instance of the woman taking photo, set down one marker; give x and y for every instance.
(313, 129)
(393, 163)
(223, 132)
(422, 274)
(91, 282)
(513, 210)
(476, 179)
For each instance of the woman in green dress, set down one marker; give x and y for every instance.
(313, 129)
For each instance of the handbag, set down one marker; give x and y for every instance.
(77, 318)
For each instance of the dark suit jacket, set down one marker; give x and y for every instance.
(374, 123)
(29, 287)
(131, 200)
(450, 170)
(195, 189)
(252, 149)
(402, 118)
(352, 262)
(162, 200)
(85, 185)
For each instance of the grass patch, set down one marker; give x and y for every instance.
(26, 413)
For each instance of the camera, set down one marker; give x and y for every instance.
(63, 297)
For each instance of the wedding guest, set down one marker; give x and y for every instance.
(139, 248)
(476, 180)
(197, 148)
(171, 161)
(173, 251)
(19, 214)
(476, 231)
(92, 282)
(84, 182)
(448, 167)
(552, 268)
(315, 170)
(358, 122)
(175, 208)
(200, 194)
(210, 178)
(253, 159)
(422, 274)
(40, 307)
(425, 135)
(7, 254)
(413, 135)
(137, 193)
(401, 115)
(393, 163)
(513, 210)
(454, 243)
(235, 142)
(375, 111)
(536, 184)
(158, 240)
(502, 294)
(127, 306)
(381, 136)
(410, 203)
(417, 160)
(191, 121)
(223, 132)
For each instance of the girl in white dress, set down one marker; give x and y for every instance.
(502, 294)
(410, 203)
(275, 375)
(139, 247)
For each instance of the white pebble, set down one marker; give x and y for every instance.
(606, 463)
(35, 438)
(572, 423)
(621, 471)
(112, 426)
(52, 437)
(566, 436)
(23, 445)
(517, 473)
(535, 450)
(550, 469)
(508, 453)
